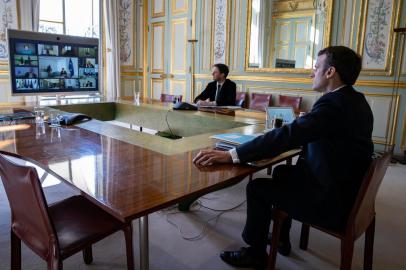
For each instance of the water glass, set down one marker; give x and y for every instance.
(39, 115)
(137, 98)
(55, 119)
(56, 135)
(39, 130)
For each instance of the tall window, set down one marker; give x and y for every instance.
(70, 17)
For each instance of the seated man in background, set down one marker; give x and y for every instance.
(336, 136)
(220, 92)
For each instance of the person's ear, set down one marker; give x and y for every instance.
(330, 72)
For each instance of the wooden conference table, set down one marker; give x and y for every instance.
(128, 173)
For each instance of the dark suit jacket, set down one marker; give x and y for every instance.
(336, 136)
(225, 97)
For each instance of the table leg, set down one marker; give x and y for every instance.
(184, 205)
(144, 245)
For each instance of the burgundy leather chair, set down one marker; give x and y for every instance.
(259, 102)
(57, 231)
(169, 98)
(360, 221)
(240, 99)
(290, 101)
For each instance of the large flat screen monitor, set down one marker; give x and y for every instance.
(42, 63)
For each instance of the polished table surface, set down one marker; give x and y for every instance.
(126, 179)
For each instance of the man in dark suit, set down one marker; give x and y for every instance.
(220, 92)
(336, 136)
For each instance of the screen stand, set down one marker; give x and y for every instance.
(58, 99)
(96, 95)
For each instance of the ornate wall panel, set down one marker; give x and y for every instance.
(403, 144)
(378, 44)
(206, 44)
(198, 89)
(179, 46)
(178, 87)
(158, 8)
(157, 87)
(127, 34)
(384, 126)
(179, 6)
(403, 72)
(127, 87)
(139, 41)
(9, 18)
(236, 35)
(157, 51)
(220, 32)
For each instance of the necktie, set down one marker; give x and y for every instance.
(217, 91)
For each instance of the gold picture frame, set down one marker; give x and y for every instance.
(326, 42)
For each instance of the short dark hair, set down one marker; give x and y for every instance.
(222, 68)
(346, 62)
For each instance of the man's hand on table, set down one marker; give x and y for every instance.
(206, 102)
(210, 157)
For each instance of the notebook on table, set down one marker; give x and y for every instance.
(227, 141)
(234, 138)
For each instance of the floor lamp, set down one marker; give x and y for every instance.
(400, 37)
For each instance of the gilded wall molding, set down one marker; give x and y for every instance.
(403, 139)
(160, 13)
(132, 74)
(145, 48)
(181, 10)
(299, 80)
(289, 6)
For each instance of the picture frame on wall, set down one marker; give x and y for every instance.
(127, 34)
(377, 39)
(9, 18)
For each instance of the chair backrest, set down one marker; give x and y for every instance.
(240, 99)
(259, 101)
(290, 101)
(169, 98)
(363, 210)
(29, 211)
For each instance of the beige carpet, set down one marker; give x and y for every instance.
(168, 250)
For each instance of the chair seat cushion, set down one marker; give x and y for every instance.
(80, 223)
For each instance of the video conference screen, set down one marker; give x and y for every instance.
(43, 66)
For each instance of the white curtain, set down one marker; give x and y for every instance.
(35, 14)
(29, 15)
(111, 23)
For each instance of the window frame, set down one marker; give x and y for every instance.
(63, 22)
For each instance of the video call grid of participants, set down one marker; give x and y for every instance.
(50, 66)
